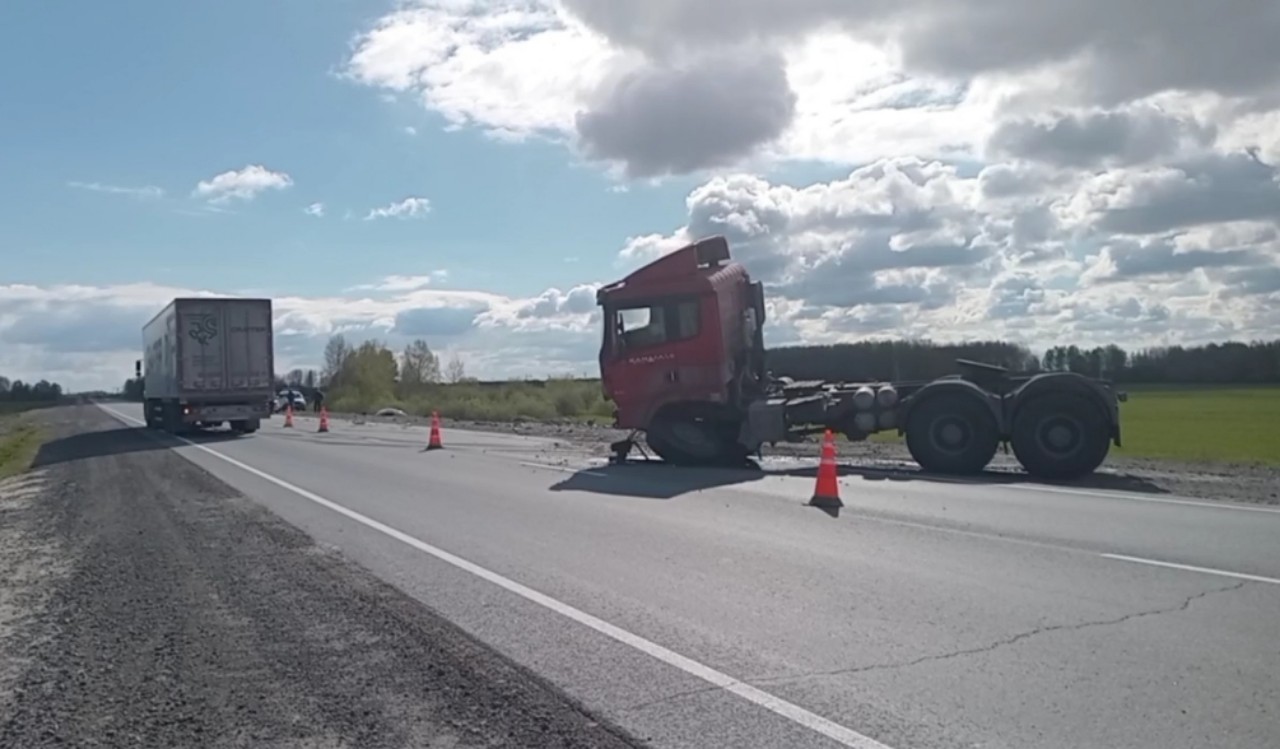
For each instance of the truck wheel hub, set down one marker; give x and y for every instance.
(950, 435)
(1060, 435)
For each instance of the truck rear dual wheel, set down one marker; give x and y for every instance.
(248, 426)
(1060, 436)
(954, 434)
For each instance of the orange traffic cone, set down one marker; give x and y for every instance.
(434, 442)
(288, 415)
(827, 491)
(324, 420)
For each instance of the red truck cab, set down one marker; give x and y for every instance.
(676, 331)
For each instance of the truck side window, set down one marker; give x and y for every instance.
(640, 327)
(686, 320)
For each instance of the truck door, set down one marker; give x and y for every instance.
(661, 351)
(203, 364)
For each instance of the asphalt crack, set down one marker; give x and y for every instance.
(998, 644)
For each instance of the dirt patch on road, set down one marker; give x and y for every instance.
(153, 606)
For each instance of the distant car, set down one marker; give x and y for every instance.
(286, 398)
(390, 412)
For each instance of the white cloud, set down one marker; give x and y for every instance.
(515, 67)
(403, 283)
(242, 184)
(86, 337)
(904, 247)
(145, 192)
(869, 80)
(407, 208)
(315, 209)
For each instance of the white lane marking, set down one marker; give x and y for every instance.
(1191, 568)
(566, 469)
(832, 730)
(1132, 497)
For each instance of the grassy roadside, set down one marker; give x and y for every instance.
(20, 438)
(537, 400)
(1212, 423)
(17, 407)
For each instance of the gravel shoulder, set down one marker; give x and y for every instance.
(1251, 484)
(144, 603)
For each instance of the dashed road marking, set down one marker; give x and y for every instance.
(1193, 568)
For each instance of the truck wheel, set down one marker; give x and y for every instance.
(248, 426)
(171, 418)
(952, 434)
(695, 439)
(1060, 436)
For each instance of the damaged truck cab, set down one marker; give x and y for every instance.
(683, 361)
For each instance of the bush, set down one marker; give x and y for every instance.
(535, 400)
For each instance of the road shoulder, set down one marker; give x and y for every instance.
(155, 606)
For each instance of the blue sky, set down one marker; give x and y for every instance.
(165, 94)
(887, 176)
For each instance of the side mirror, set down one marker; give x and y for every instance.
(137, 368)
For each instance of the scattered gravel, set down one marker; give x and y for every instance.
(146, 604)
(1253, 484)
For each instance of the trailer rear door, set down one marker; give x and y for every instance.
(248, 349)
(203, 345)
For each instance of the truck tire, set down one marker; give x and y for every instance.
(248, 426)
(695, 437)
(952, 433)
(171, 418)
(1060, 436)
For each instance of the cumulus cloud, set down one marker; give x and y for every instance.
(1120, 50)
(514, 67)
(1100, 138)
(315, 209)
(242, 184)
(1213, 189)
(679, 118)
(523, 68)
(403, 283)
(408, 208)
(866, 80)
(918, 248)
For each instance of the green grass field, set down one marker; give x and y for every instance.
(1213, 423)
(1224, 424)
(19, 441)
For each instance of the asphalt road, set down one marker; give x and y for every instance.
(713, 608)
(145, 604)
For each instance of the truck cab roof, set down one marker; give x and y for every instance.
(697, 268)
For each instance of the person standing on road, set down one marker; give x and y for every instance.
(317, 400)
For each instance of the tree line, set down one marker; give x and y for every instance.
(1214, 363)
(370, 371)
(17, 391)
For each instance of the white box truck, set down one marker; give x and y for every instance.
(208, 362)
